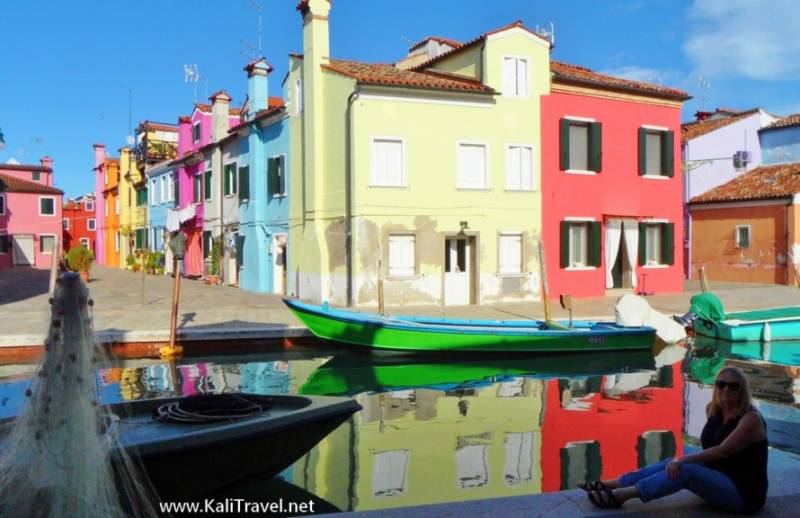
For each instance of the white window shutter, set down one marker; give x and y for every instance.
(509, 76)
(473, 166)
(522, 77)
(511, 253)
(401, 255)
(526, 168)
(513, 172)
(394, 163)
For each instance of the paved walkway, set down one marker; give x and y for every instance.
(130, 307)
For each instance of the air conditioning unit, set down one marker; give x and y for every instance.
(741, 159)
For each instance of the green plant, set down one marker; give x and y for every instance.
(154, 262)
(130, 261)
(79, 259)
(216, 256)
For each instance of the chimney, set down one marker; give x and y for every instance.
(257, 86)
(316, 45)
(220, 110)
(99, 154)
(46, 162)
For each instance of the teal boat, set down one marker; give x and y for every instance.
(744, 326)
(356, 373)
(786, 352)
(415, 334)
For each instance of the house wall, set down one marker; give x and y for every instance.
(780, 145)
(230, 203)
(157, 211)
(616, 191)
(78, 218)
(111, 221)
(714, 243)
(99, 207)
(22, 217)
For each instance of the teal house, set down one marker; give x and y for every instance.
(262, 241)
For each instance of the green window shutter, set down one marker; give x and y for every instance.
(642, 244)
(668, 243)
(564, 244)
(196, 132)
(227, 179)
(138, 239)
(272, 169)
(596, 146)
(564, 147)
(208, 185)
(176, 191)
(239, 250)
(595, 243)
(667, 153)
(642, 151)
(281, 173)
(206, 243)
(197, 190)
(244, 183)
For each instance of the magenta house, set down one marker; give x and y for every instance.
(30, 215)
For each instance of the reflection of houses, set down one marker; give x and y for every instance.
(593, 426)
(426, 446)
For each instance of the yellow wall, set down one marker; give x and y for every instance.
(466, 63)
(131, 217)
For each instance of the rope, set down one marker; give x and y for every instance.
(212, 408)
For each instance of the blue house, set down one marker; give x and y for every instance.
(780, 141)
(262, 241)
(163, 192)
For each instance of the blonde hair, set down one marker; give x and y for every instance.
(714, 408)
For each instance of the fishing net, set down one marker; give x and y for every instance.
(60, 457)
(212, 408)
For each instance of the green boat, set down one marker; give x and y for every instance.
(356, 373)
(415, 334)
(744, 326)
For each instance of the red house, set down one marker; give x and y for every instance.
(80, 225)
(611, 184)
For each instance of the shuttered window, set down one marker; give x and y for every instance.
(510, 253)
(276, 173)
(656, 152)
(47, 244)
(230, 179)
(742, 236)
(515, 77)
(208, 185)
(206, 243)
(581, 145)
(198, 188)
(402, 255)
(153, 200)
(244, 183)
(2, 204)
(472, 166)
(47, 206)
(519, 168)
(387, 163)
(170, 187)
(656, 244)
(196, 132)
(163, 190)
(580, 244)
(5, 244)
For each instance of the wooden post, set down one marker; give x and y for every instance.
(173, 350)
(380, 287)
(55, 256)
(144, 262)
(703, 281)
(796, 274)
(545, 290)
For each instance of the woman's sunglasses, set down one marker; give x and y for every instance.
(732, 385)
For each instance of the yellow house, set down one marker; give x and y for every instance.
(427, 177)
(133, 206)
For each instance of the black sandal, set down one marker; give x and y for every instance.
(604, 502)
(596, 485)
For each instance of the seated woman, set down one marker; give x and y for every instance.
(731, 471)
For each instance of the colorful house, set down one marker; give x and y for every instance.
(611, 190)
(262, 240)
(716, 148)
(80, 223)
(107, 208)
(133, 200)
(427, 178)
(30, 215)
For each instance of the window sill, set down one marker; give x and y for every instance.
(581, 172)
(478, 189)
(279, 195)
(521, 190)
(403, 277)
(230, 195)
(374, 186)
(655, 266)
(656, 177)
(580, 268)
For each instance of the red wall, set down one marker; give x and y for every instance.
(78, 218)
(617, 190)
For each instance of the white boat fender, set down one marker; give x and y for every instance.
(766, 334)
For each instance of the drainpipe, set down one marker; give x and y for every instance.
(348, 195)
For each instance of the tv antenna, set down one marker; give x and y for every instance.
(704, 85)
(251, 48)
(191, 75)
(257, 6)
(549, 35)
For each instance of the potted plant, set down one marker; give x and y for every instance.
(216, 257)
(130, 262)
(79, 259)
(154, 262)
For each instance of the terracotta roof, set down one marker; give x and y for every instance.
(262, 114)
(207, 109)
(762, 183)
(691, 130)
(162, 126)
(475, 41)
(23, 167)
(568, 73)
(295, 55)
(13, 184)
(274, 101)
(184, 118)
(785, 122)
(250, 66)
(386, 74)
(446, 41)
(302, 4)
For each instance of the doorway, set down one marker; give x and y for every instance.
(279, 264)
(459, 270)
(24, 251)
(621, 271)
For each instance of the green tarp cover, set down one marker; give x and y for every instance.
(708, 305)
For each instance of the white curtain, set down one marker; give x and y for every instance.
(631, 232)
(613, 235)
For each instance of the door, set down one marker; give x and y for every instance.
(457, 271)
(24, 251)
(279, 264)
(621, 271)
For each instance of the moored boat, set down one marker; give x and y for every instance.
(744, 326)
(414, 334)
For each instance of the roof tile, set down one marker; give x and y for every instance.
(567, 72)
(13, 184)
(790, 120)
(691, 130)
(386, 74)
(762, 183)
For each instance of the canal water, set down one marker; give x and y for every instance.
(447, 429)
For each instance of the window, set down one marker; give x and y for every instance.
(163, 191)
(198, 188)
(105, 176)
(206, 243)
(47, 244)
(47, 206)
(207, 185)
(91, 224)
(84, 242)
(298, 96)
(510, 251)
(276, 175)
(581, 145)
(515, 77)
(402, 255)
(230, 179)
(89, 206)
(580, 244)
(130, 197)
(107, 202)
(140, 239)
(244, 183)
(65, 222)
(153, 200)
(5, 244)
(519, 168)
(742, 236)
(116, 242)
(196, 132)
(656, 243)
(656, 150)
(141, 196)
(35, 176)
(654, 446)
(472, 166)
(387, 163)
(2, 204)
(170, 188)
(116, 206)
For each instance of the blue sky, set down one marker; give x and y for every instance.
(67, 66)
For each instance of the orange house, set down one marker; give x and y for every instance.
(111, 208)
(747, 230)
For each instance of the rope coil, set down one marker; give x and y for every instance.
(212, 408)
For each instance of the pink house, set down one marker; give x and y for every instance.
(30, 215)
(612, 202)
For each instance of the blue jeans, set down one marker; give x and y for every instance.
(712, 486)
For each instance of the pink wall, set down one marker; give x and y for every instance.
(22, 217)
(616, 191)
(99, 207)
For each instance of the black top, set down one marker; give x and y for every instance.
(747, 468)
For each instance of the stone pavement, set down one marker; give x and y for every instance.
(128, 309)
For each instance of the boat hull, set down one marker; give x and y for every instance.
(377, 332)
(753, 326)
